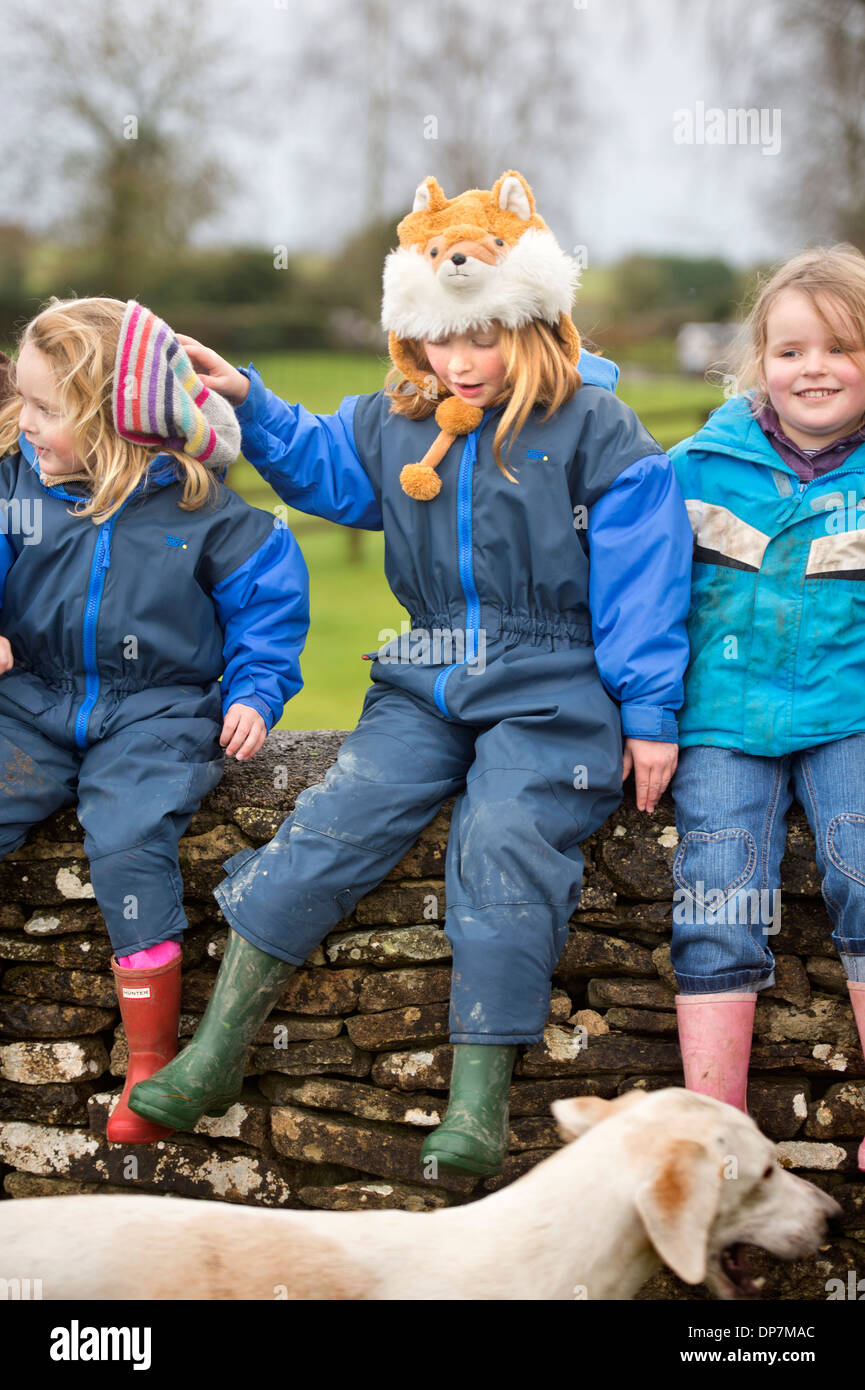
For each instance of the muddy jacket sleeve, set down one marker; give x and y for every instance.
(263, 608)
(640, 546)
(310, 461)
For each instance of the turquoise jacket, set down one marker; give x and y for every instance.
(777, 618)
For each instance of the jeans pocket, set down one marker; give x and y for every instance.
(845, 844)
(714, 861)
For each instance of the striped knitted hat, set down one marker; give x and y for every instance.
(158, 398)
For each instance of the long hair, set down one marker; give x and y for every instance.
(833, 278)
(539, 372)
(79, 338)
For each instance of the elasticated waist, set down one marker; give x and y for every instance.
(571, 627)
(59, 679)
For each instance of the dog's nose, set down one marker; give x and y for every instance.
(458, 258)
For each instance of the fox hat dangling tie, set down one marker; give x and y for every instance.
(484, 257)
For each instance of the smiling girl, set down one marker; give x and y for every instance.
(774, 703)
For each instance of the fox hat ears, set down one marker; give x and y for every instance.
(509, 269)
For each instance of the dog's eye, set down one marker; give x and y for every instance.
(499, 241)
(768, 1171)
(434, 251)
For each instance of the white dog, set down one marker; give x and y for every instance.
(661, 1177)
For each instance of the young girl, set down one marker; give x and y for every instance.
(131, 580)
(774, 696)
(507, 691)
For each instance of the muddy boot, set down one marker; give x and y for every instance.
(207, 1076)
(473, 1137)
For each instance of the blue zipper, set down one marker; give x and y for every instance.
(464, 563)
(101, 562)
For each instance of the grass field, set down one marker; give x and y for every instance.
(349, 599)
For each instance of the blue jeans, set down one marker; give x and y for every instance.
(731, 815)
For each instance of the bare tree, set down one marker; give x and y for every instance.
(455, 89)
(806, 57)
(112, 110)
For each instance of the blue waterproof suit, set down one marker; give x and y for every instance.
(120, 633)
(506, 690)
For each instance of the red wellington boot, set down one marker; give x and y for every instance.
(150, 1009)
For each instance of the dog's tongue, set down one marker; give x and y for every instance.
(737, 1271)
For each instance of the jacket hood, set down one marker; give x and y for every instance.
(732, 429)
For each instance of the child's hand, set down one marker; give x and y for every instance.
(654, 764)
(215, 372)
(245, 729)
(6, 662)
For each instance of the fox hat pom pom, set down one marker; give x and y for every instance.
(453, 417)
(463, 263)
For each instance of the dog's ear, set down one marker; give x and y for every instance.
(574, 1117)
(678, 1205)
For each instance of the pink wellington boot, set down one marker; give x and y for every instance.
(715, 1038)
(857, 999)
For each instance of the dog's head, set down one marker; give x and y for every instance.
(704, 1182)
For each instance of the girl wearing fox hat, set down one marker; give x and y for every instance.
(547, 585)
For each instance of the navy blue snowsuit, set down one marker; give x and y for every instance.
(120, 633)
(507, 689)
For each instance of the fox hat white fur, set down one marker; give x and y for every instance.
(509, 268)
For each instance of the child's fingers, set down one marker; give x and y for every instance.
(6, 658)
(204, 359)
(652, 773)
(251, 745)
(243, 732)
(229, 727)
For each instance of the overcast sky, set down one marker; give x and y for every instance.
(633, 188)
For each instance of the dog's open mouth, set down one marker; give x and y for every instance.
(734, 1273)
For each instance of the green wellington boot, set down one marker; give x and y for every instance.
(473, 1136)
(207, 1076)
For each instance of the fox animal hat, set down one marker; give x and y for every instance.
(159, 399)
(485, 256)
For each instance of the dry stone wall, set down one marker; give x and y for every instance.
(351, 1070)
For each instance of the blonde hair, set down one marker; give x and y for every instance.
(832, 278)
(79, 337)
(538, 372)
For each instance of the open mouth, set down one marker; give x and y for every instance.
(732, 1275)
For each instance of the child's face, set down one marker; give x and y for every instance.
(469, 364)
(40, 419)
(814, 384)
